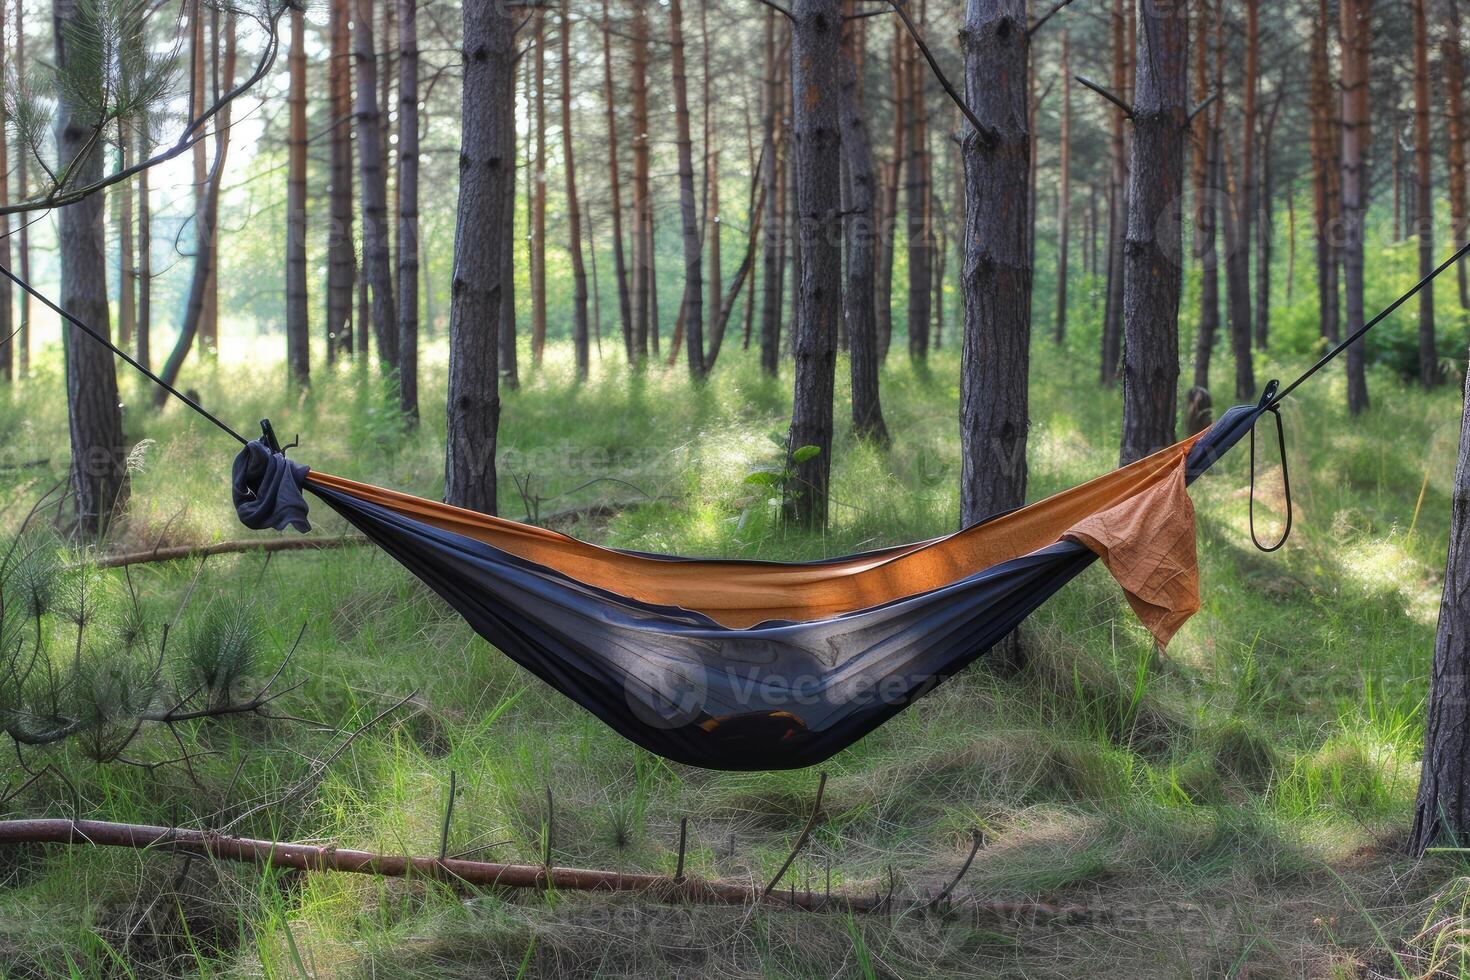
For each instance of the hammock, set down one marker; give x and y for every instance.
(757, 665)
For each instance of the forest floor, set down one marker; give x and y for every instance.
(1236, 806)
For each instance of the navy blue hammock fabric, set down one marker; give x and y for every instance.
(668, 651)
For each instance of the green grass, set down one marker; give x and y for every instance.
(1233, 807)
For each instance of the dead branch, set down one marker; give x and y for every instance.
(310, 857)
(267, 545)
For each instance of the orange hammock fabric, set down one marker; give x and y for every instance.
(1138, 519)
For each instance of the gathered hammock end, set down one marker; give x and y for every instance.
(758, 665)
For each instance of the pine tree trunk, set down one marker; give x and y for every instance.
(710, 225)
(1112, 331)
(996, 283)
(771, 240)
(1064, 192)
(919, 249)
(615, 186)
(1237, 282)
(1206, 198)
(481, 234)
(1355, 33)
(197, 102)
(859, 308)
(196, 305)
(816, 129)
(693, 307)
(340, 252)
(98, 457)
(23, 336)
(888, 228)
(298, 349)
(510, 368)
(377, 270)
(1325, 174)
(643, 299)
(538, 201)
(1452, 57)
(1250, 123)
(1265, 230)
(408, 210)
(580, 339)
(1429, 375)
(144, 328)
(127, 295)
(1153, 277)
(7, 331)
(1442, 810)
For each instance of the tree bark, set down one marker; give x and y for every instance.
(1265, 226)
(1112, 330)
(23, 335)
(408, 210)
(376, 265)
(538, 201)
(862, 233)
(196, 305)
(711, 225)
(580, 339)
(1429, 375)
(1207, 195)
(1237, 282)
(7, 331)
(1250, 121)
(144, 326)
(1064, 191)
(198, 98)
(996, 284)
(298, 349)
(1355, 17)
(1325, 177)
(1153, 274)
(771, 239)
(127, 294)
(98, 457)
(693, 308)
(919, 247)
(482, 231)
(1442, 810)
(615, 187)
(1452, 56)
(816, 128)
(340, 251)
(643, 298)
(888, 227)
(510, 368)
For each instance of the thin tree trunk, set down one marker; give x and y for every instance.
(481, 233)
(377, 270)
(815, 75)
(1265, 229)
(771, 240)
(1237, 282)
(919, 249)
(127, 295)
(144, 331)
(7, 331)
(340, 250)
(615, 187)
(642, 205)
(1452, 56)
(580, 340)
(1250, 121)
(1112, 331)
(538, 202)
(1208, 199)
(1064, 192)
(693, 307)
(1442, 810)
(710, 225)
(1429, 375)
(888, 229)
(298, 350)
(408, 210)
(510, 368)
(23, 337)
(860, 310)
(994, 370)
(1325, 174)
(98, 460)
(1355, 17)
(196, 303)
(1153, 277)
(197, 101)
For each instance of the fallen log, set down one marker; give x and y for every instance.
(178, 552)
(311, 857)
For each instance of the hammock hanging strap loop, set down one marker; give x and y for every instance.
(1270, 404)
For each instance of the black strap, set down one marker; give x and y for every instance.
(1274, 409)
(102, 339)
